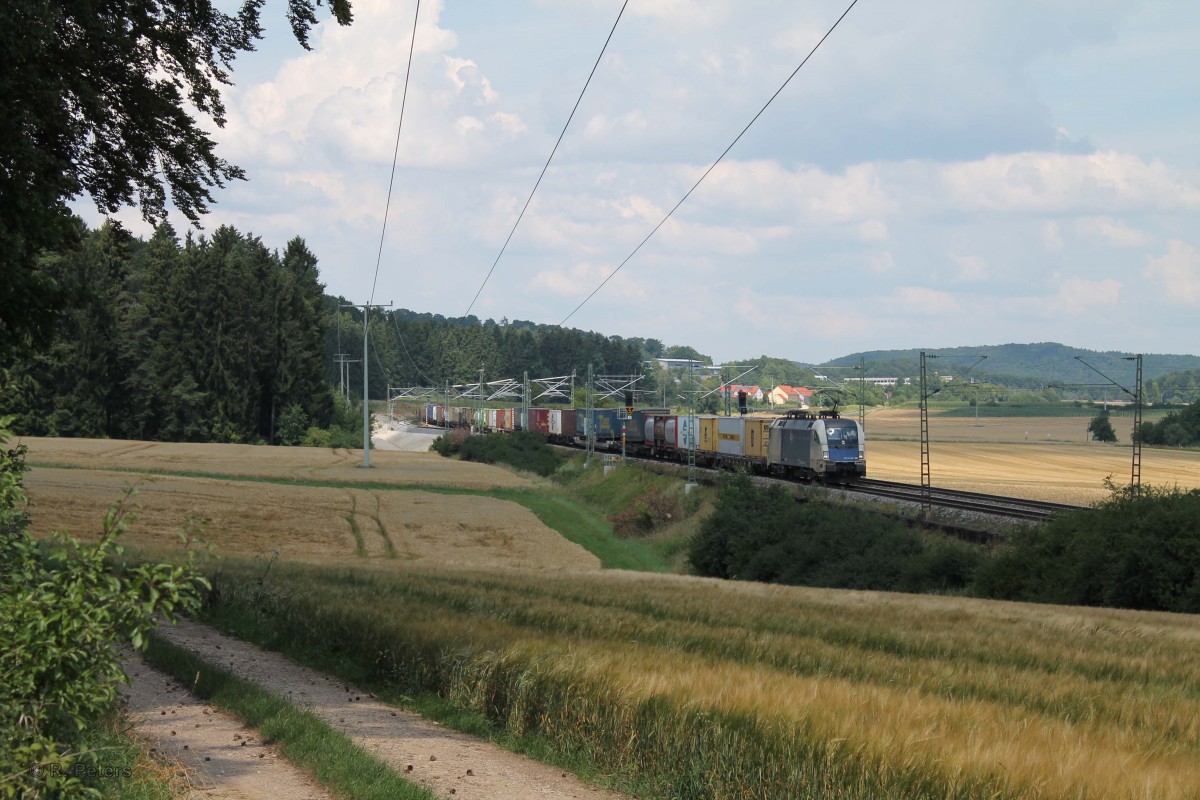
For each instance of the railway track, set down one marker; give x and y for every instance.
(996, 505)
(953, 499)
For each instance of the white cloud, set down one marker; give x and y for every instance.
(602, 126)
(577, 281)
(1113, 232)
(466, 124)
(881, 262)
(1073, 297)
(1078, 296)
(1052, 238)
(970, 268)
(512, 124)
(1057, 182)
(919, 300)
(639, 208)
(917, 149)
(1177, 274)
(464, 75)
(873, 230)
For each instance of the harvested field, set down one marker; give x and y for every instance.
(313, 524)
(995, 458)
(905, 423)
(289, 463)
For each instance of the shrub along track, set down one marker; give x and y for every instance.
(447, 762)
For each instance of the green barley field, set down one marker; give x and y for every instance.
(692, 688)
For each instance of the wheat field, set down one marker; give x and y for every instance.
(314, 523)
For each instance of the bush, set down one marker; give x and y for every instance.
(1135, 550)
(293, 425)
(317, 437)
(1176, 429)
(63, 611)
(450, 442)
(649, 512)
(349, 438)
(764, 534)
(522, 449)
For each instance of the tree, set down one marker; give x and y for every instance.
(686, 351)
(1101, 428)
(103, 99)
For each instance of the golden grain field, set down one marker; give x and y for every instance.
(307, 523)
(1053, 464)
(287, 463)
(758, 691)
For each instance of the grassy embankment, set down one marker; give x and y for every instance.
(690, 688)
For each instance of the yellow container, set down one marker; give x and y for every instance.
(708, 434)
(756, 436)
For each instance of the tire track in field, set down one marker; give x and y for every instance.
(388, 544)
(360, 547)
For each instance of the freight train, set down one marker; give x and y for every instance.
(797, 444)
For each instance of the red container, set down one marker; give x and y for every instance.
(539, 421)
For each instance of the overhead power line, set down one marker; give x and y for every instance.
(546, 166)
(711, 166)
(395, 153)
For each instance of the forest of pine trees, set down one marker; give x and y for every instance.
(222, 339)
(208, 340)
(408, 349)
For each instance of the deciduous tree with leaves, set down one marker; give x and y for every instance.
(111, 100)
(1101, 428)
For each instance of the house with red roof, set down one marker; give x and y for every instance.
(784, 394)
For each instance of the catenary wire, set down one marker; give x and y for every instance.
(388, 204)
(395, 155)
(546, 166)
(711, 166)
(404, 345)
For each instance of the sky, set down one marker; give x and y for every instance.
(938, 174)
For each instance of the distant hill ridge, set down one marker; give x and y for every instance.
(1050, 362)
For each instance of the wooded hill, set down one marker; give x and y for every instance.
(1044, 365)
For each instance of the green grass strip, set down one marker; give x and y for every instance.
(328, 756)
(579, 524)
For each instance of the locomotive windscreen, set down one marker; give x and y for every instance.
(842, 436)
